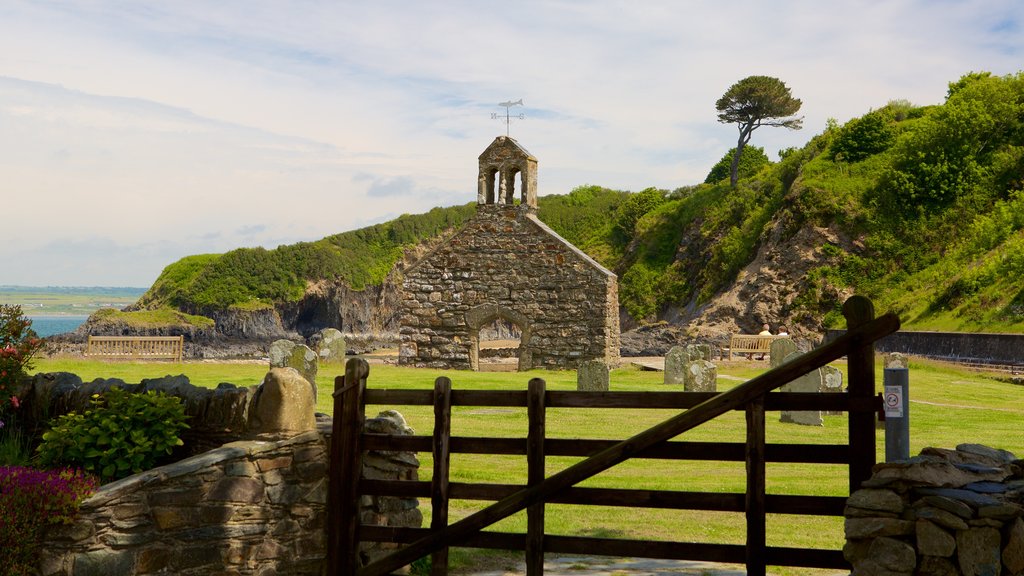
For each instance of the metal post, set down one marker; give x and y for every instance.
(897, 414)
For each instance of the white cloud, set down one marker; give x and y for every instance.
(200, 126)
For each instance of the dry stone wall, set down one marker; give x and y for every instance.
(506, 264)
(247, 508)
(944, 512)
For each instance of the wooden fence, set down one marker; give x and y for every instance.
(349, 442)
(136, 347)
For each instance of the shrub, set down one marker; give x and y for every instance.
(18, 344)
(752, 160)
(862, 137)
(31, 501)
(123, 434)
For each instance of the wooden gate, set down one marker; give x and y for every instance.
(349, 442)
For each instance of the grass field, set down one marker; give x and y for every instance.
(948, 406)
(59, 301)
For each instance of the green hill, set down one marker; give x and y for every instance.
(926, 205)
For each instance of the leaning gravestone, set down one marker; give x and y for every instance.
(330, 345)
(701, 376)
(780, 350)
(592, 376)
(831, 381)
(282, 406)
(675, 365)
(895, 360)
(810, 382)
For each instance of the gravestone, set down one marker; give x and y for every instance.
(288, 354)
(592, 376)
(330, 345)
(780, 350)
(282, 406)
(698, 352)
(810, 382)
(895, 360)
(831, 381)
(701, 376)
(675, 365)
(280, 351)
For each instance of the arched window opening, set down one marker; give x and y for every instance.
(491, 179)
(499, 344)
(508, 198)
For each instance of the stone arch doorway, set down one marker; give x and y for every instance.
(483, 316)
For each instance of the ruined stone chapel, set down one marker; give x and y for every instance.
(505, 264)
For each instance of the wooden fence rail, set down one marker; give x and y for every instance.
(752, 397)
(136, 347)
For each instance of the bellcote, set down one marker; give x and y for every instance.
(496, 181)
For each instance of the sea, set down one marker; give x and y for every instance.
(49, 325)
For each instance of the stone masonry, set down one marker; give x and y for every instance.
(955, 512)
(505, 264)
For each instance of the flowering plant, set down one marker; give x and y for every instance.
(30, 502)
(18, 344)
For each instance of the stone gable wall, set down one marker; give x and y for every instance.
(505, 263)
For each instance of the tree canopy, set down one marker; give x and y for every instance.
(753, 102)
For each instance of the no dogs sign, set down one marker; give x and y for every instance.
(893, 398)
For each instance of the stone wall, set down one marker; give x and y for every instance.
(978, 348)
(246, 508)
(215, 416)
(944, 512)
(243, 508)
(506, 264)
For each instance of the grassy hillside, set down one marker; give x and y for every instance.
(929, 202)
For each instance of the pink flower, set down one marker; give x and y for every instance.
(15, 402)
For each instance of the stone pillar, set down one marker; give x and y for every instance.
(592, 375)
(282, 406)
(388, 465)
(288, 354)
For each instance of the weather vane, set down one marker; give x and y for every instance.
(508, 115)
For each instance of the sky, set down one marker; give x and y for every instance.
(133, 133)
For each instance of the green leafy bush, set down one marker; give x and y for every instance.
(862, 137)
(752, 160)
(122, 434)
(30, 501)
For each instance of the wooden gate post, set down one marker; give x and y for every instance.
(535, 475)
(755, 487)
(441, 448)
(861, 367)
(346, 464)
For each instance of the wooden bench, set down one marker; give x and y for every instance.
(751, 344)
(136, 347)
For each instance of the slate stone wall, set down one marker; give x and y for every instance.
(243, 508)
(506, 264)
(944, 512)
(246, 508)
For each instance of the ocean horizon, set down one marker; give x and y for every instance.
(49, 325)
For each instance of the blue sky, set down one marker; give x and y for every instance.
(134, 133)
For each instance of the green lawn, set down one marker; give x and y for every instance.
(948, 406)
